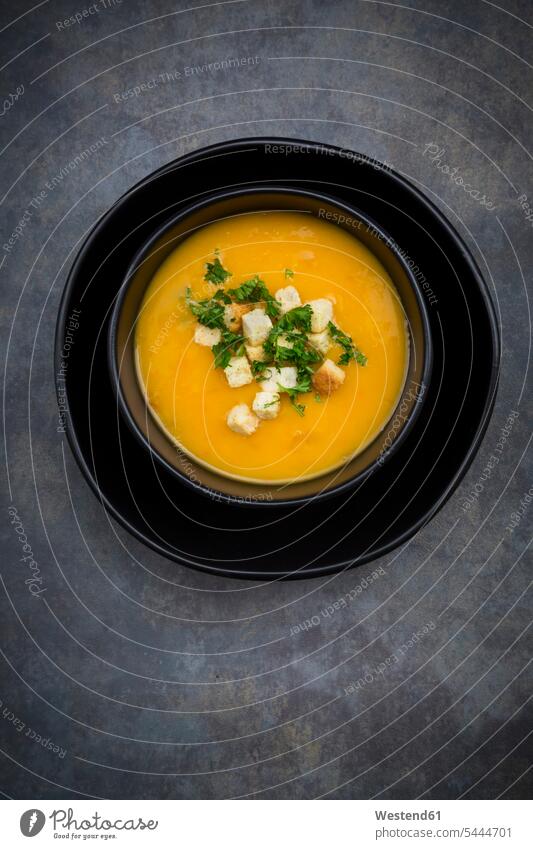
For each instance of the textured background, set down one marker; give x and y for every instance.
(155, 681)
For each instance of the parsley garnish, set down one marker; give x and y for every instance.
(230, 345)
(293, 325)
(220, 295)
(293, 394)
(350, 351)
(293, 328)
(302, 387)
(216, 273)
(288, 341)
(298, 318)
(258, 369)
(209, 312)
(271, 403)
(254, 291)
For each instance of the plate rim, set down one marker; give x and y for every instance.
(316, 571)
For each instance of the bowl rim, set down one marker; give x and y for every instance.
(427, 353)
(431, 210)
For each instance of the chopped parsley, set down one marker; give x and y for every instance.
(293, 396)
(230, 345)
(254, 291)
(287, 343)
(258, 369)
(220, 295)
(303, 386)
(209, 312)
(216, 273)
(298, 318)
(349, 350)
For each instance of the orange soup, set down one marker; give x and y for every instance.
(343, 323)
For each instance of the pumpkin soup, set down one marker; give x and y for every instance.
(271, 346)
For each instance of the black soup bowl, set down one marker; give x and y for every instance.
(122, 362)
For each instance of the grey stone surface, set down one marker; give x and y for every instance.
(159, 682)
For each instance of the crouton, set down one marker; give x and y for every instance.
(288, 298)
(207, 336)
(266, 405)
(274, 377)
(322, 314)
(328, 378)
(255, 353)
(320, 341)
(233, 314)
(238, 372)
(256, 326)
(270, 380)
(240, 419)
(288, 377)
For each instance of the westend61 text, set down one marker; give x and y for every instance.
(407, 815)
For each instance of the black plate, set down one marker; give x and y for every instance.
(304, 541)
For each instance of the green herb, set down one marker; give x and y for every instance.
(216, 273)
(300, 354)
(302, 387)
(230, 345)
(300, 408)
(209, 312)
(292, 328)
(220, 295)
(271, 403)
(350, 351)
(293, 325)
(293, 394)
(298, 318)
(287, 343)
(258, 369)
(254, 291)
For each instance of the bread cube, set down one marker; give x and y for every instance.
(275, 377)
(255, 353)
(256, 326)
(240, 419)
(233, 314)
(322, 313)
(266, 405)
(288, 377)
(238, 372)
(270, 380)
(328, 378)
(320, 341)
(288, 298)
(207, 336)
